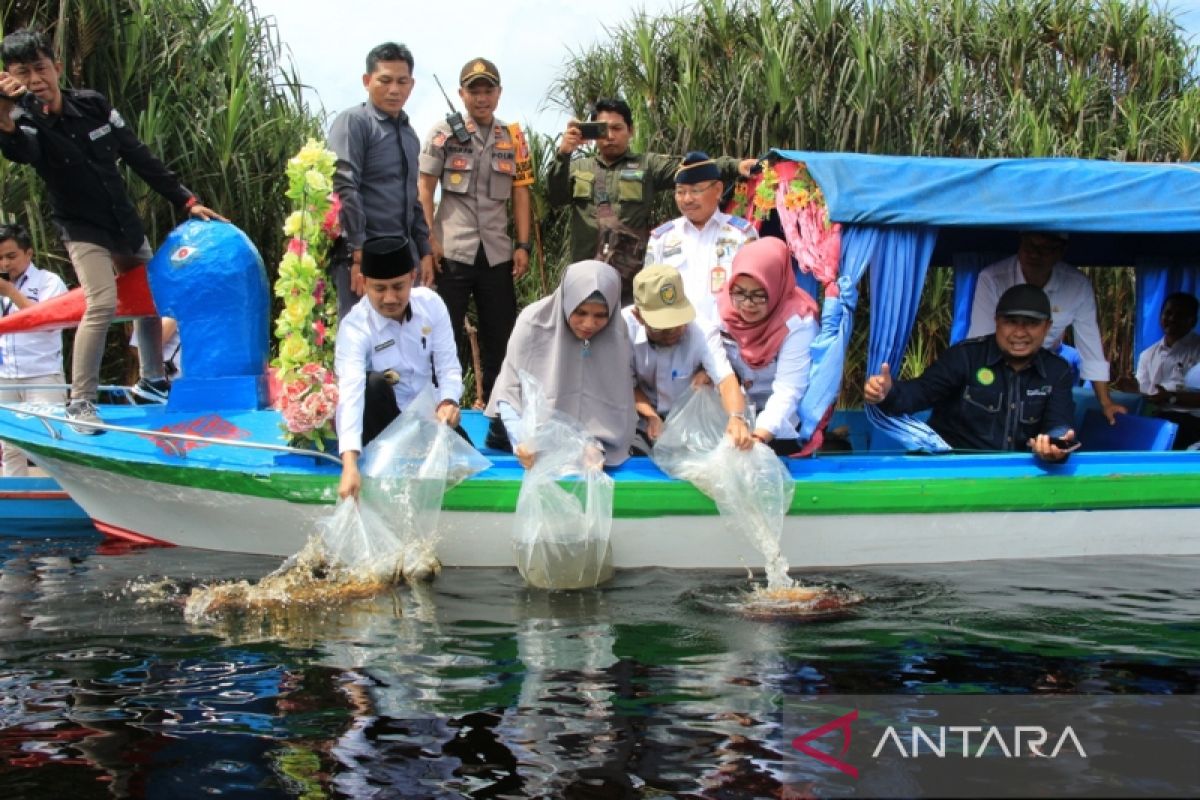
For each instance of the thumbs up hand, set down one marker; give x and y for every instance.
(878, 386)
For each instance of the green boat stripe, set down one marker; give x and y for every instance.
(636, 499)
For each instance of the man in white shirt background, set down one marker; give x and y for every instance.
(27, 359)
(1073, 305)
(701, 243)
(1162, 368)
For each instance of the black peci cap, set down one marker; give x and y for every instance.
(387, 257)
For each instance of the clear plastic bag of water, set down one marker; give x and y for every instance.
(564, 511)
(752, 489)
(406, 472)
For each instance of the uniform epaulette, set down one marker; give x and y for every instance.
(741, 223)
(661, 229)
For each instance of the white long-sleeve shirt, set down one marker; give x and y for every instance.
(664, 373)
(39, 353)
(1072, 304)
(367, 341)
(776, 389)
(1159, 365)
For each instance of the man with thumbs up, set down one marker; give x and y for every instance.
(1000, 392)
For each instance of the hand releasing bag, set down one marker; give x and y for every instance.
(752, 489)
(564, 510)
(406, 472)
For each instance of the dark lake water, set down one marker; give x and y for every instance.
(477, 687)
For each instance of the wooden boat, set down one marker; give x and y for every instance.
(211, 469)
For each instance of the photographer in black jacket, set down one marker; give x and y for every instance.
(74, 139)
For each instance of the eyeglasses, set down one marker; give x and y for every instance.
(694, 191)
(748, 298)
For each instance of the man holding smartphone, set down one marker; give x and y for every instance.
(1000, 392)
(26, 359)
(611, 191)
(79, 145)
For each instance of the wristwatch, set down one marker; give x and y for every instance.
(528, 248)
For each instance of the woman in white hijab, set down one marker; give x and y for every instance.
(582, 361)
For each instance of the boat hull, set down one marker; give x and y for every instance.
(141, 509)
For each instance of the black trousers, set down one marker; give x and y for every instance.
(496, 307)
(1189, 429)
(379, 408)
(339, 269)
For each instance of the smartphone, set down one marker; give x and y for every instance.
(1064, 444)
(4, 275)
(593, 130)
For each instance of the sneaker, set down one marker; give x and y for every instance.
(150, 392)
(84, 411)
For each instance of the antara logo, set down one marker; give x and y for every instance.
(1035, 736)
(842, 723)
(943, 741)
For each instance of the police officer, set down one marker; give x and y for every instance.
(615, 187)
(472, 252)
(26, 358)
(701, 243)
(75, 139)
(394, 342)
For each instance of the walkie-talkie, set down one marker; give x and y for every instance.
(454, 119)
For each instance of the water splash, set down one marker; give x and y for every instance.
(309, 578)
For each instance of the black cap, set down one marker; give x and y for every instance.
(1024, 300)
(386, 257)
(697, 167)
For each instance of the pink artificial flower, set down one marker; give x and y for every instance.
(297, 246)
(331, 224)
(294, 390)
(319, 329)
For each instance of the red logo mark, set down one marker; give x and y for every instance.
(842, 723)
(210, 425)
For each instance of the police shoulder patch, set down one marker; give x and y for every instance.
(116, 119)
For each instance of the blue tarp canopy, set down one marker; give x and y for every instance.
(1036, 193)
(1116, 212)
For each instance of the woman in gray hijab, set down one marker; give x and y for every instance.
(583, 362)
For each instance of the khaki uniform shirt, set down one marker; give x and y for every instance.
(628, 185)
(477, 179)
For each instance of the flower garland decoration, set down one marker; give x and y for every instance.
(787, 188)
(306, 327)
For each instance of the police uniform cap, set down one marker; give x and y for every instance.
(1024, 300)
(697, 167)
(386, 257)
(479, 69)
